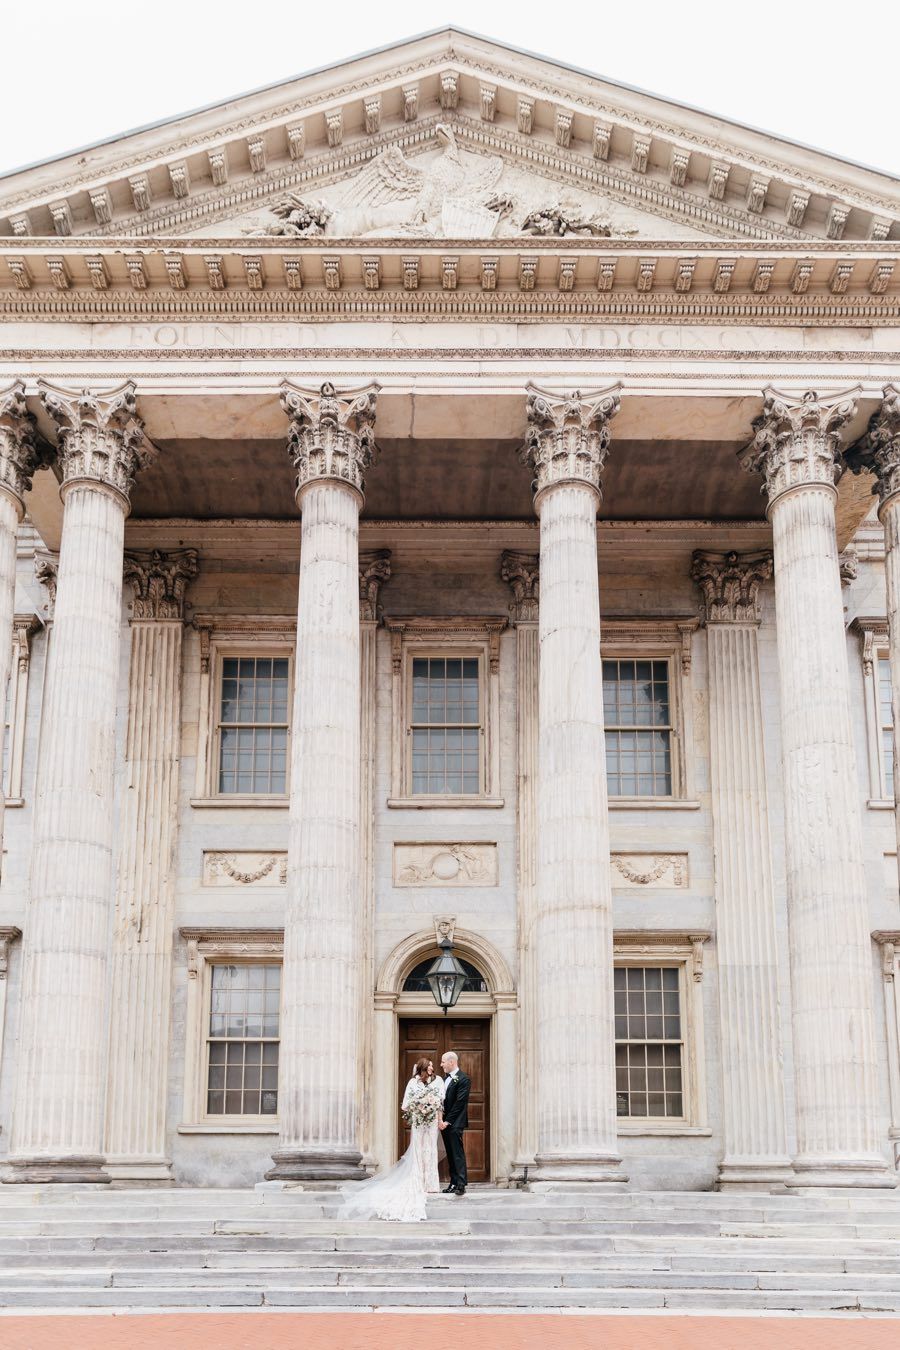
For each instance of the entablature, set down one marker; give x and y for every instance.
(528, 281)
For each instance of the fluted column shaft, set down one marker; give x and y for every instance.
(319, 1084)
(889, 515)
(10, 516)
(878, 452)
(374, 570)
(18, 461)
(143, 929)
(797, 448)
(575, 1086)
(521, 571)
(61, 1084)
(756, 1153)
(58, 1113)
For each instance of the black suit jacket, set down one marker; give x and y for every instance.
(456, 1102)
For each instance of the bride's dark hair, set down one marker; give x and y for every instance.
(420, 1069)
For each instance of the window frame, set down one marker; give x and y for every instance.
(683, 952)
(874, 645)
(256, 654)
(637, 728)
(206, 948)
(669, 640)
(223, 637)
(452, 637)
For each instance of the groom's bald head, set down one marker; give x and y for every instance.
(449, 1061)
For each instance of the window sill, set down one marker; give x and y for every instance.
(652, 804)
(238, 802)
(444, 803)
(12, 802)
(874, 804)
(227, 1127)
(640, 1127)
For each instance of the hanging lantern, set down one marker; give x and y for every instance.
(446, 977)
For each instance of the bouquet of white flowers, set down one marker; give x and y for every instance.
(423, 1108)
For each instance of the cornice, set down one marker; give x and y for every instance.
(569, 168)
(574, 131)
(575, 279)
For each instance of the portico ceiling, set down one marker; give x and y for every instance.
(448, 456)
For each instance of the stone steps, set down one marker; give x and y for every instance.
(89, 1248)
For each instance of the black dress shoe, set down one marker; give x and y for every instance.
(460, 1190)
(451, 1189)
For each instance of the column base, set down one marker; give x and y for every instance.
(870, 1170)
(768, 1174)
(74, 1169)
(291, 1164)
(551, 1170)
(140, 1171)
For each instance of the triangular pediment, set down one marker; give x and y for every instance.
(436, 186)
(531, 148)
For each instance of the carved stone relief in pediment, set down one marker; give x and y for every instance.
(447, 193)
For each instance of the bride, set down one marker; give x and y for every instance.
(400, 1193)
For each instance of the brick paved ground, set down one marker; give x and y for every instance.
(386, 1331)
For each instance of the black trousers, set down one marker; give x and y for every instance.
(453, 1143)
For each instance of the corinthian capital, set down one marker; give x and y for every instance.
(332, 435)
(160, 581)
(568, 435)
(374, 571)
(730, 584)
(101, 437)
(521, 572)
(19, 451)
(796, 442)
(878, 451)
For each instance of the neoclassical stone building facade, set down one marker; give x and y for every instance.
(450, 494)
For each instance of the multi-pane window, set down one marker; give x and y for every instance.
(242, 1042)
(886, 725)
(446, 725)
(637, 714)
(649, 1041)
(253, 724)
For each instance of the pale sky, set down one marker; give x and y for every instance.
(823, 73)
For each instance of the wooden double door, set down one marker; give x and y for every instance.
(470, 1038)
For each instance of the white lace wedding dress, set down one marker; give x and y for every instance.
(401, 1192)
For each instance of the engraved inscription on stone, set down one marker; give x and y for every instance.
(445, 864)
(245, 869)
(646, 871)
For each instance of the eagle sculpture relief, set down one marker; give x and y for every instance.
(453, 196)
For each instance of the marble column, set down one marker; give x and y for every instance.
(878, 452)
(567, 444)
(19, 458)
(521, 572)
(756, 1152)
(796, 448)
(144, 922)
(331, 443)
(60, 1097)
(8, 935)
(374, 571)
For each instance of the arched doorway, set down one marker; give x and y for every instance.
(481, 1028)
(470, 1037)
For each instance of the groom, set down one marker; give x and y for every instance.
(456, 1119)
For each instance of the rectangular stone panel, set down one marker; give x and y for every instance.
(649, 871)
(445, 864)
(245, 868)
